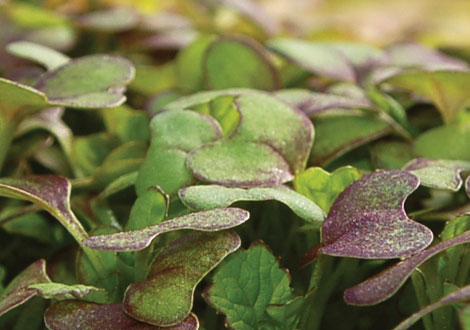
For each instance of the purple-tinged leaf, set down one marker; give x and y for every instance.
(382, 286)
(165, 298)
(18, 291)
(50, 192)
(368, 219)
(213, 196)
(252, 10)
(213, 220)
(48, 57)
(67, 315)
(460, 295)
(313, 103)
(467, 184)
(438, 173)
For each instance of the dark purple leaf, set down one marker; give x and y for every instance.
(213, 220)
(67, 315)
(385, 284)
(165, 298)
(368, 219)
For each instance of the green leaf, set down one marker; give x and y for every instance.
(61, 291)
(166, 297)
(438, 173)
(43, 55)
(213, 220)
(464, 317)
(235, 62)
(213, 196)
(336, 135)
(17, 98)
(446, 89)
(84, 315)
(444, 142)
(127, 123)
(150, 80)
(323, 187)
(150, 208)
(112, 20)
(246, 284)
(95, 81)
(390, 155)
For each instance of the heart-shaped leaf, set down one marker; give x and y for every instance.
(368, 219)
(382, 286)
(460, 295)
(95, 81)
(323, 187)
(85, 315)
(43, 55)
(446, 89)
(213, 220)
(166, 297)
(313, 103)
(235, 62)
(213, 196)
(246, 284)
(438, 173)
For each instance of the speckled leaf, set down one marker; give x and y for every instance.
(67, 315)
(49, 192)
(213, 196)
(213, 220)
(240, 164)
(323, 187)
(382, 286)
(336, 135)
(235, 62)
(368, 219)
(444, 142)
(150, 208)
(438, 173)
(446, 89)
(166, 297)
(246, 284)
(313, 102)
(174, 134)
(460, 295)
(18, 291)
(95, 81)
(48, 57)
(61, 291)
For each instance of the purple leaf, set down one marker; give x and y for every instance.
(50, 192)
(165, 298)
(460, 295)
(438, 173)
(85, 315)
(385, 284)
(368, 219)
(18, 291)
(213, 220)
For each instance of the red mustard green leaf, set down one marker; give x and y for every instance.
(459, 295)
(438, 173)
(214, 196)
(165, 298)
(385, 284)
(368, 219)
(238, 62)
(95, 81)
(212, 220)
(48, 57)
(67, 315)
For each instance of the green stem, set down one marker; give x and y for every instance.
(7, 131)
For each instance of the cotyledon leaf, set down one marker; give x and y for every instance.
(246, 284)
(212, 220)
(214, 196)
(16, 96)
(48, 57)
(33, 281)
(368, 219)
(385, 284)
(165, 298)
(459, 295)
(67, 315)
(438, 173)
(50, 192)
(94, 81)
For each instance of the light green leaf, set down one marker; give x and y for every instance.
(61, 291)
(150, 208)
(48, 57)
